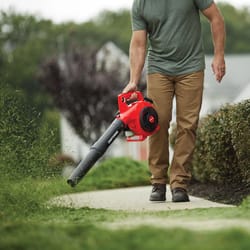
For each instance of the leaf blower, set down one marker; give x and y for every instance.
(137, 118)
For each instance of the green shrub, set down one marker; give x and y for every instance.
(222, 146)
(240, 134)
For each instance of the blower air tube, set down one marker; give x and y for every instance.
(96, 151)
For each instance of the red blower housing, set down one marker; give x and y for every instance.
(139, 115)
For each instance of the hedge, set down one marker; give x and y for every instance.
(222, 153)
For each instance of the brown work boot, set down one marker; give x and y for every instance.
(179, 195)
(158, 192)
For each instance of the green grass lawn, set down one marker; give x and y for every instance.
(75, 235)
(27, 222)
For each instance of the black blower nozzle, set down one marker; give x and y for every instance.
(96, 151)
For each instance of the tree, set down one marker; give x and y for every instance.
(86, 96)
(25, 42)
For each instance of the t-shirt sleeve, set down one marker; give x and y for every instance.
(138, 22)
(203, 4)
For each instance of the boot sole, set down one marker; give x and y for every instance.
(158, 200)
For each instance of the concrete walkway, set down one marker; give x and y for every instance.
(134, 199)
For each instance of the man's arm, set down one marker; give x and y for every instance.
(137, 54)
(219, 35)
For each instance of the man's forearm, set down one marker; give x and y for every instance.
(219, 35)
(137, 54)
(137, 60)
(218, 32)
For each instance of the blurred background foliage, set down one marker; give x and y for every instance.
(26, 42)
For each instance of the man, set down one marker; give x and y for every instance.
(175, 67)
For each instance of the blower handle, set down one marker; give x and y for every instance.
(124, 98)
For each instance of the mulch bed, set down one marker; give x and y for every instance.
(227, 194)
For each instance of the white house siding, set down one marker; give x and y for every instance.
(71, 143)
(244, 94)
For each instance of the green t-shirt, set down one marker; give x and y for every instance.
(174, 33)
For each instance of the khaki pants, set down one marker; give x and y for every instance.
(188, 90)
